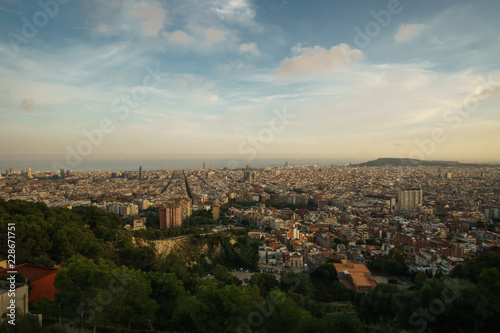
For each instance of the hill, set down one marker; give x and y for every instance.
(389, 161)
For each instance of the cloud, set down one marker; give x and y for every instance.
(197, 38)
(213, 36)
(249, 48)
(27, 104)
(236, 11)
(488, 92)
(179, 37)
(317, 60)
(113, 17)
(10, 11)
(151, 16)
(408, 31)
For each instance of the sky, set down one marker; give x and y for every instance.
(250, 78)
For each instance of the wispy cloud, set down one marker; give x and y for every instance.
(317, 60)
(179, 37)
(239, 11)
(130, 18)
(10, 11)
(250, 48)
(406, 32)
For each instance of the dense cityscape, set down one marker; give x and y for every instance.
(450, 217)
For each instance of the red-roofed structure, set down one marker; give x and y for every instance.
(42, 280)
(355, 276)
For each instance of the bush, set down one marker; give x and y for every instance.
(392, 281)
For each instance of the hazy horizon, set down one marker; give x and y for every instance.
(151, 162)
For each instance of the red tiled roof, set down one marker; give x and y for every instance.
(32, 272)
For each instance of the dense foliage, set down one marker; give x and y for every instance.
(466, 300)
(56, 234)
(111, 284)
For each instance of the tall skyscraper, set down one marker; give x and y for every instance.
(173, 212)
(212, 165)
(28, 173)
(286, 164)
(203, 164)
(61, 173)
(141, 177)
(409, 200)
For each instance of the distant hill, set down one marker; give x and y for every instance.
(389, 161)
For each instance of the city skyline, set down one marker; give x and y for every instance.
(250, 79)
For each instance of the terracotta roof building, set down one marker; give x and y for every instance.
(355, 276)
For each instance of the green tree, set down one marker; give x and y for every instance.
(282, 309)
(137, 257)
(489, 285)
(99, 293)
(379, 305)
(471, 269)
(133, 307)
(45, 235)
(42, 260)
(169, 293)
(216, 308)
(24, 323)
(341, 322)
(292, 282)
(265, 281)
(222, 274)
(454, 303)
(79, 284)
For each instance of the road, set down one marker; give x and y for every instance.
(242, 275)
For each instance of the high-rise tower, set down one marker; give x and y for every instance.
(409, 200)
